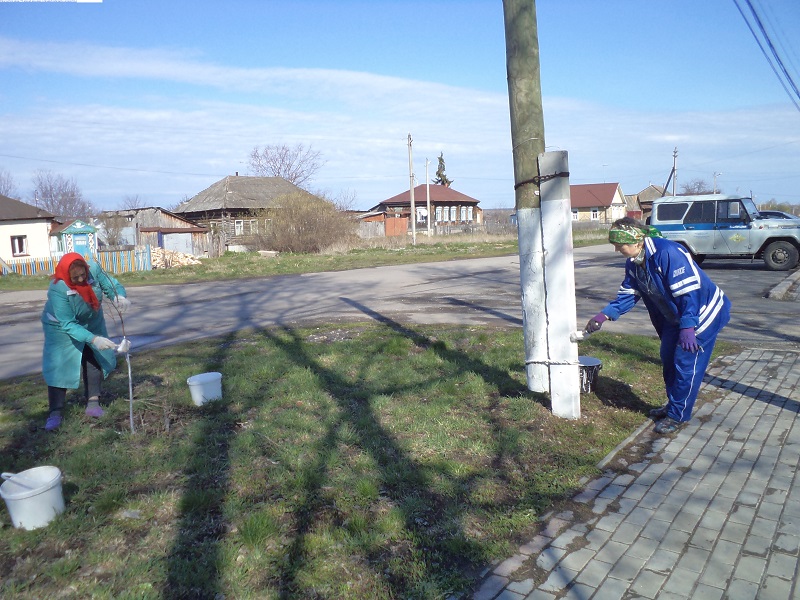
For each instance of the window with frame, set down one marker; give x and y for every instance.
(463, 213)
(469, 214)
(700, 212)
(19, 245)
(595, 214)
(438, 213)
(453, 213)
(730, 211)
(671, 211)
(575, 215)
(245, 227)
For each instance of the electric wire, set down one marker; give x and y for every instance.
(789, 82)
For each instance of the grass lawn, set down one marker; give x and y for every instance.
(351, 461)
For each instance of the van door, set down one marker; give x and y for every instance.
(698, 223)
(733, 227)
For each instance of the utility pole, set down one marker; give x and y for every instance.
(715, 180)
(411, 191)
(428, 195)
(547, 279)
(674, 169)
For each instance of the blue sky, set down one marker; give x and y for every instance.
(160, 99)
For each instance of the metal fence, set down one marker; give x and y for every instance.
(117, 261)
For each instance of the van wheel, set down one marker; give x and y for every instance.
(781, 256)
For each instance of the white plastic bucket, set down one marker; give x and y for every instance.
(205, 387)
(33, 497)
(590, 368)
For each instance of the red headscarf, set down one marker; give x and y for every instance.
(84, 289)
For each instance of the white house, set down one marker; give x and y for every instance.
(24, 230)
(597, 202)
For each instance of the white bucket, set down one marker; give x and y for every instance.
(33, 497)
(205, 387)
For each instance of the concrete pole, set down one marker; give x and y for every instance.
(411, 192)
(559, 285)
(428, 195)
(674, 169)
(527, 139)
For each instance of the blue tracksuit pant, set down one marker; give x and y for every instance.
(684, 371)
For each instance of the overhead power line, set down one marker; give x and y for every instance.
(773, 58)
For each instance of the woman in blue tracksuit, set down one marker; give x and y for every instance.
(686, 308)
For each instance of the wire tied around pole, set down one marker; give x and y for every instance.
(539, 179)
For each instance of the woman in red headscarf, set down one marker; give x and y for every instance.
(75, 336)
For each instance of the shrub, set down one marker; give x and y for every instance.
(303, 223)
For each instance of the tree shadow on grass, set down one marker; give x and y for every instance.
(433, 521)
(194, 560)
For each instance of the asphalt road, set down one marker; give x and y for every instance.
(467, 292)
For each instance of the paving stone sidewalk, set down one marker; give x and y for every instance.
(711, 512)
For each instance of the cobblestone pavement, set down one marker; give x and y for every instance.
(711, 512)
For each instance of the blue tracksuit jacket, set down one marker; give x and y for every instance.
(678, 295)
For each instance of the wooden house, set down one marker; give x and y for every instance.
(450, 211)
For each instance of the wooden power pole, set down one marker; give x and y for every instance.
(541, 186)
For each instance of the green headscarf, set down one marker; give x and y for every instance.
(631, 234)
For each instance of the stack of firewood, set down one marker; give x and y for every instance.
(165, 259)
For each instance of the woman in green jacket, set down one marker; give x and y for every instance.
(75, 337)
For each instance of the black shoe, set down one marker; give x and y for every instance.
(667, 425)
(658, 413)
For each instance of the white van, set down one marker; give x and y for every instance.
(721, 226)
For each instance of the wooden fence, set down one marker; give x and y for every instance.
(118, 261)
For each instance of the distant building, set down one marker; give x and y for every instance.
(645, 199)
(451, 211)
(228, 208)
(153, 226)
(24, 230)
(600, 203)
(75, 235)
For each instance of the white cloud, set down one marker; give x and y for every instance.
(182, 123)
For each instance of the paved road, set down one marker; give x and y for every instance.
(479, 291)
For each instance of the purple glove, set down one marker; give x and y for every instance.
(687, 340)
(595, 323)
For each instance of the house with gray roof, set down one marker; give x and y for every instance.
(152, 226)
(24, 230)
(644, 199)
(233, 208)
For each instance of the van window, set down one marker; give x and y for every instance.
(673, 211)
(729, 211)
(701, 212)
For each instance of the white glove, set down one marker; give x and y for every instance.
(122, 304)
(102, 343)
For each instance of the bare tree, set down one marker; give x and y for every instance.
(8, 186)
(344, 201)
(113, 224)
(132, 202)
(695, 187)
(296, 164)
(60, 196)
(176, 205)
